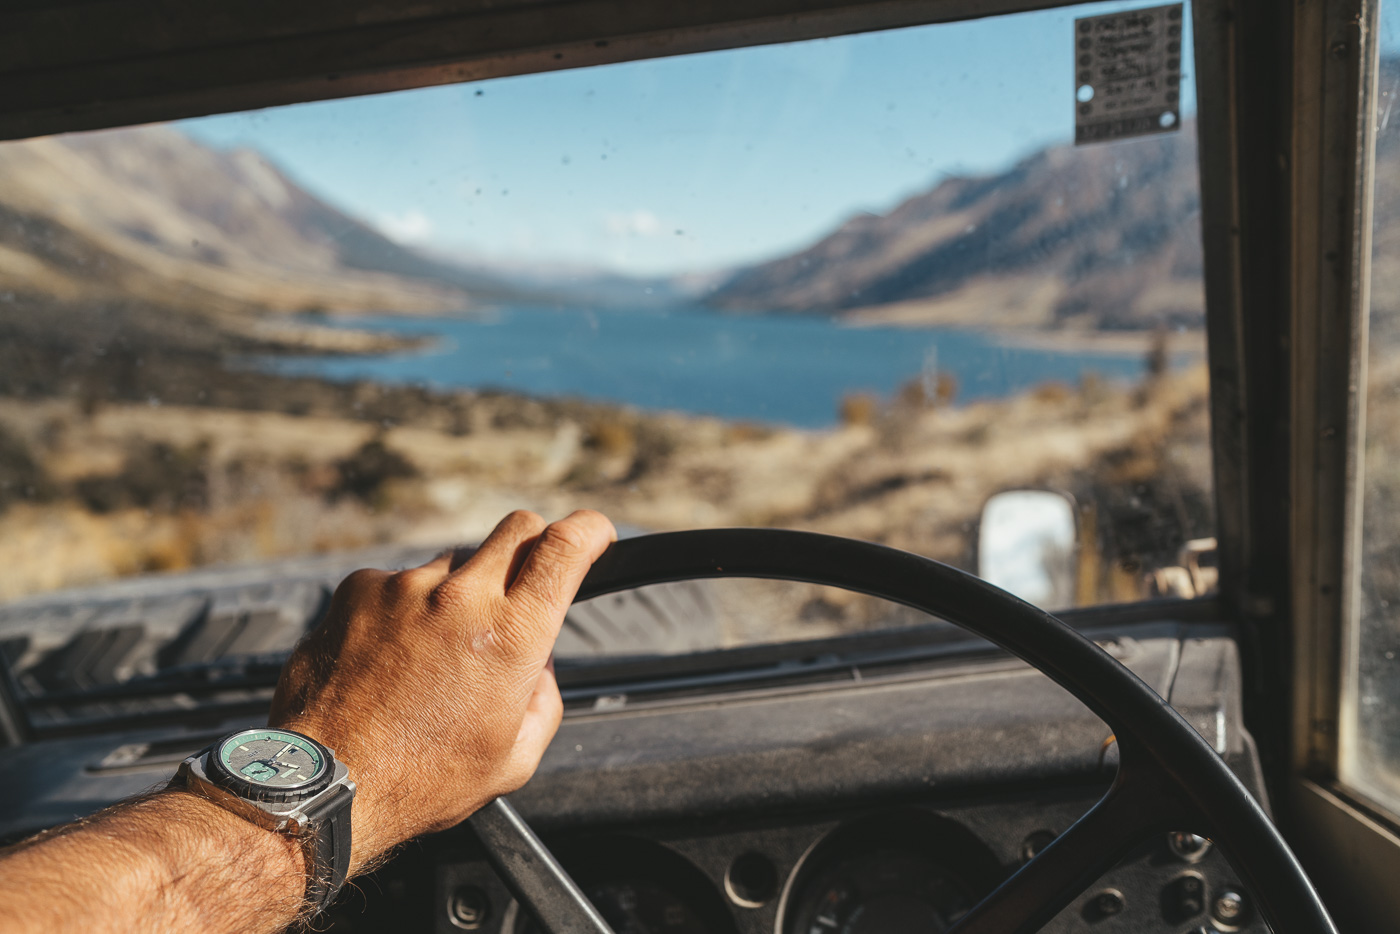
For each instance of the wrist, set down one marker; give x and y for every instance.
(375, 829)
(201, 828)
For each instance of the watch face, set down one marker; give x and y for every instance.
(276, 760)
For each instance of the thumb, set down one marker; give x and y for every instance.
(543, 714)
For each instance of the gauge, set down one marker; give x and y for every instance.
(638, 906)
(883, 892)
(911, 872)
(641, 887)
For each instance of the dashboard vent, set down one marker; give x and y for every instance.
(179, 649)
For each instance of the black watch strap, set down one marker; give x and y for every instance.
(328, 846)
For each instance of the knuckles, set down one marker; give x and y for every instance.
(565, 540)
(457, 600)
(563, 544)
(594, 520)
(359, 584)
(520, 523)
(412, 582)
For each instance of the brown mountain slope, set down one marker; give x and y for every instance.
(149, 215)
(255, 185)
(1102, 237)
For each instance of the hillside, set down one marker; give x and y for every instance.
(1099, 237)
(1385, 252)
(150, 216)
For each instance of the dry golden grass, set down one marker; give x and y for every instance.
(911, 475)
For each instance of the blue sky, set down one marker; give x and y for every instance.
(1390, 27)
(689, 163)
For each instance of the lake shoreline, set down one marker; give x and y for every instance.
(774, 369)
(1035, 337)
(1125, 343)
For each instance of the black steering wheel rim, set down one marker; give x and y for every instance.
(1169, 776)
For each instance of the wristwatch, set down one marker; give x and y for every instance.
(288, 783)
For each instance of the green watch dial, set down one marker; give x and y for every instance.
(272, 758)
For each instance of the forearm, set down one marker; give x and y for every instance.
(167, 862)
(432, 685)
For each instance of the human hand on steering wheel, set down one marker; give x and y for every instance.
(435, 684)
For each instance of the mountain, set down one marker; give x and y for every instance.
(1098, 237)
(149, 215)
(1385, 226)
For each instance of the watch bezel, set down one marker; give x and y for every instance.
(243, 787)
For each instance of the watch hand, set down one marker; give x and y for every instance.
(283, 749)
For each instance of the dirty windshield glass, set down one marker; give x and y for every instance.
(1370, 720)
(865, 285)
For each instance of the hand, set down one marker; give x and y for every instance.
(435, 685)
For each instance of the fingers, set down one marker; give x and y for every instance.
(537, 568)
(432, 573)
(556, 565)
(496, 561)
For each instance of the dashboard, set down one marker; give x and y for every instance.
(875, 783)
(911, 868)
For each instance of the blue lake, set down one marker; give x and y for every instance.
(786, 369)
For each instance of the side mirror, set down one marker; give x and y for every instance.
(1026, 544)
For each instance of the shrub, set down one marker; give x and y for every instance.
(368, 468)
(156, 476)
(859, 408)
(21, 476)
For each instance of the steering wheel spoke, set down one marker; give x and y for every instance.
(532, 873)
(1135, 805)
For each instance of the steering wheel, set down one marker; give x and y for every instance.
(1169, 778)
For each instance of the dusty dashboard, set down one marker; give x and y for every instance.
(880, 783)
(889, 801)
(905, 867)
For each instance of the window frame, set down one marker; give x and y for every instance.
(1349, 844)
(91, 64)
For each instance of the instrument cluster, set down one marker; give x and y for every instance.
(905, 870)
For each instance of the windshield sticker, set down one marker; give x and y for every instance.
(1127, 74)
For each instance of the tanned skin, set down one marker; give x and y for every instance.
(449, 662)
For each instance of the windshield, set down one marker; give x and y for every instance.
(860, 285)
